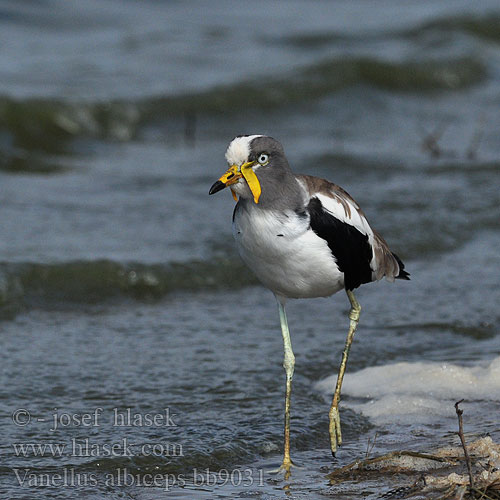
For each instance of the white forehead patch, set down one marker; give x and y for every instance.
(239, 149)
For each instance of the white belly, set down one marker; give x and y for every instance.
(285, 254)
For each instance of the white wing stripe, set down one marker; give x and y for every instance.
(335, 208)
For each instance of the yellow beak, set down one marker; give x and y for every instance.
(233, 174)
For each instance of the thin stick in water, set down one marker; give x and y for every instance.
(462, 439)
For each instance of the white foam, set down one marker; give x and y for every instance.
(417, 391)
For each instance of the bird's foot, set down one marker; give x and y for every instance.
(334, 429)
(284, 468)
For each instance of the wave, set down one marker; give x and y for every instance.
(27, 285)
(48, 124)
(486, 27)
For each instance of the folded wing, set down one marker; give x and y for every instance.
(360, 252)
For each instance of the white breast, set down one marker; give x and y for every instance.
(285, 254)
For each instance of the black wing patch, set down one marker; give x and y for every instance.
(350, 247)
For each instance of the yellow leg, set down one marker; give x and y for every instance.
(288, 364)
(334, 426)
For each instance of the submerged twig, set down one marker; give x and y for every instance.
(371, 445)
(430, 141)
(475, 141)
(462, 440)
(448, 493)
(483, 494)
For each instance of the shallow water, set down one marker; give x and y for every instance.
(121, 290)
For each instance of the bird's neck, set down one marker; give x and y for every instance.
(282, 200)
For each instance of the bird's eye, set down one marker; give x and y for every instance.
(263, 158)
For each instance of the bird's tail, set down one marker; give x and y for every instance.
(403, 275)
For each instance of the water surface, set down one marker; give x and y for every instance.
(120, 288)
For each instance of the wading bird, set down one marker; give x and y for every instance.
(303, 237)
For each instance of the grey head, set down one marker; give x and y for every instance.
(279, 187)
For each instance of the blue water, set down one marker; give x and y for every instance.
(120, 287)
